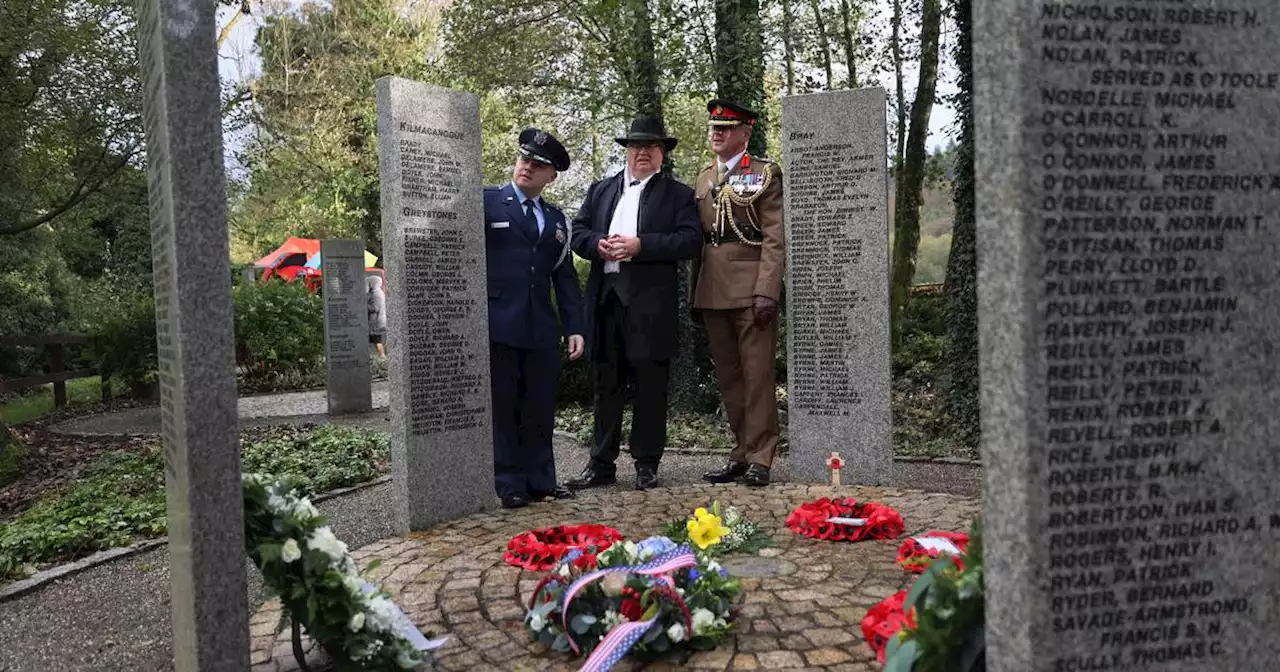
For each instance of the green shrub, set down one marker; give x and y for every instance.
(279, 330)
(122, 496)
(122, 337)
(329, 457)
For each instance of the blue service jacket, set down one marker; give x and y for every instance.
(523, 267)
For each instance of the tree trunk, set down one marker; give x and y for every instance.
(645, 83)
(740, 62)
(962, 407)
(850, 56)
(823, 43)
(646, 91)
(788, 52)
(895, 42)
(906, 238)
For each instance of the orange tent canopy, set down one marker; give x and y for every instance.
(305, 248)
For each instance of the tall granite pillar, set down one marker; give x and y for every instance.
(192, 276)
(837, 290)
(346, 327)
(437, 308)
(1129, 288)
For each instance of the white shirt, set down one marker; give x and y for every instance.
(731, 162)
(626, 216)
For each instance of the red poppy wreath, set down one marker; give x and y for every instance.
(852, 521)
(542, 549)
(917, 552)
(884, 621)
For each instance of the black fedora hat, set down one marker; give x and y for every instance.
(647, 129)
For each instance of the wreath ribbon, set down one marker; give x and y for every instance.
(621, 638)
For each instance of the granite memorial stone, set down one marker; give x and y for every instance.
(346, 326)
(1129, 294)
(192, 274)
(437, 313)
(836, 195)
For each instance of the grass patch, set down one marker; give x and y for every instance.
(38, 402)
(122, 497)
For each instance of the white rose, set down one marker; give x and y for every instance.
(676, 632)
(631, 548)
(382, 613)
(612, 584)
(323, 540)
(290, 551)
(702, 619)
(352, 584)
(276, 503)
(302, 508)
(713, 566)
(537, 623)
(357, 622)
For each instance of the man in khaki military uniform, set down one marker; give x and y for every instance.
(737, 283)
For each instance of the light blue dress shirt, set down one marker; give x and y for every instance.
(537, 207)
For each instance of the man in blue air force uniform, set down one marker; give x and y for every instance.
(527, 247)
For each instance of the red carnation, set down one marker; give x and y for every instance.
(631, 609)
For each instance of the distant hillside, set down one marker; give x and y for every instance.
(936, 216)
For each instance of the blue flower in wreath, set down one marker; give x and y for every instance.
(694, 574)
(655, 546)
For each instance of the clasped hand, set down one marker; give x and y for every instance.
(618, 248)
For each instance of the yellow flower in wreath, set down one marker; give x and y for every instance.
(705, 529)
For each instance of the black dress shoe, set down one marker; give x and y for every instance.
(756, 475)
(558, 492)
(514, 501)
(646, 478)
(729, 473)
(590, 478)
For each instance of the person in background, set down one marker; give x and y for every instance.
(635, 228)
(527, 250)
(377, 313)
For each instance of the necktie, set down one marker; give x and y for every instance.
(633, 183)
(721, 171)
(528, 208)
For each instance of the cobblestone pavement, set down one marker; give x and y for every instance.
(802, 606)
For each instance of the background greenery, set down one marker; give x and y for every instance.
(73, 192)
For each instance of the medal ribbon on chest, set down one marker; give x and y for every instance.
(727, 197)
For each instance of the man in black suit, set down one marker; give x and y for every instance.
(634, 227)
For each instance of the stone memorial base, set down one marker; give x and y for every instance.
(802, 606)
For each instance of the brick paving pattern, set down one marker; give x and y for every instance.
(802, 605)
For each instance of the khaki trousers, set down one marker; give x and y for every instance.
(743, 355)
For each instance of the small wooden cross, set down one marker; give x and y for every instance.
(835, 464)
